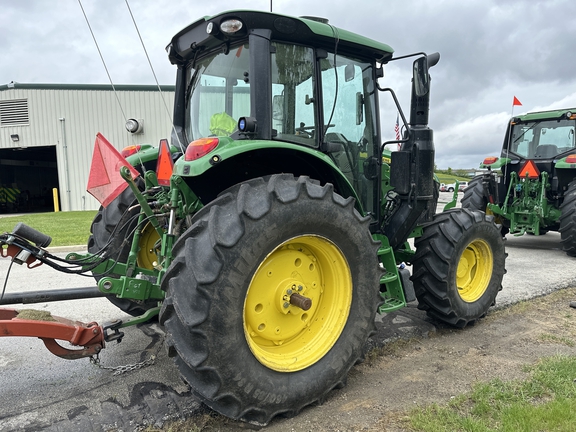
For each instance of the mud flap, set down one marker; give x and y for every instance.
(407, 285)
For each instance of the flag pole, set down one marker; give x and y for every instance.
(515, 102)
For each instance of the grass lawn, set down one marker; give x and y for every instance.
(544, 402)
(449, 179)
(65, 228)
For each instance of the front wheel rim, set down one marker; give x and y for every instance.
(474, 270)
(282, 335)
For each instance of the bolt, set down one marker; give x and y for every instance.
(300, 288)
(302, 302)
(95, 331)
(286, 305)
(289, 292)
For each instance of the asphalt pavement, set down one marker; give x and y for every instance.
(42, 392)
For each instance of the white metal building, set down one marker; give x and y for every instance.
(47, 134)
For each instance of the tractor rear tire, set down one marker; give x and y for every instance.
(473, 198)
(458, 266)
(246, 349)
(568, 220)
(118, 221)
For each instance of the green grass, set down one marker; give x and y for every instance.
(448, 179)
(65, 228)
(546, 401)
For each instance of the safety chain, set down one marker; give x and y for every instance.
(119, 370)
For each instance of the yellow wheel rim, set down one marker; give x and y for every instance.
(474, 271)
(147, 253)
(281, 335)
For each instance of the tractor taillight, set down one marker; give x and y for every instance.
(490, 160)
(130, 150)
(529, 170)
(200, 147)
(571, 159)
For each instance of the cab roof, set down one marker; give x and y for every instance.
(304, 30)
(543, 115)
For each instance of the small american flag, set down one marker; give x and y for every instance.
(397, 131)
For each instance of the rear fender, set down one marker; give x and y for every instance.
(232, 162)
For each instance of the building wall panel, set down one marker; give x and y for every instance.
(69, 117)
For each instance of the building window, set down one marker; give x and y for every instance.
(14, 112)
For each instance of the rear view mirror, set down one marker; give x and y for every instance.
(349, 72)
(420, 73)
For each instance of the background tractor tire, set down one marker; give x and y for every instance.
(568, 220)
(245, 349)
(458, 266)
(473, 198)
(116, 214)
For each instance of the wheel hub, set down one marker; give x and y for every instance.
(297, 303)
(474, 271)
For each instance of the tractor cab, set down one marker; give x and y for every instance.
(277, 94)
(543, 141)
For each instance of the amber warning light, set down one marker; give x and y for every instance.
(490, 160)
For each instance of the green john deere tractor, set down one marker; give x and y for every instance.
(275, 225)
(531, 188)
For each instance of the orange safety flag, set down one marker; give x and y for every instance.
(516, 101)
(165, 164)
(105, 182)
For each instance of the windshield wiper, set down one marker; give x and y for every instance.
(529, 129)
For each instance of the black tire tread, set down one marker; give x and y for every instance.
(434, 265)
(568, 220)
(473, 198)
(195, 304)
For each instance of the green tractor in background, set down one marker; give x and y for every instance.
(531, 187)
(275, 227)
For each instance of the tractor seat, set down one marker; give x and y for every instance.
(546, 151)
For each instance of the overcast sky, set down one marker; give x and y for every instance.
(490, 52)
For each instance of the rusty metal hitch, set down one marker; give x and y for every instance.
(49, 328)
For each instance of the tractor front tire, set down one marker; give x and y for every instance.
(458, 266)
(248, 348)
(568, 220)
(111, 234)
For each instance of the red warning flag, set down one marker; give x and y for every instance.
(165, 164)
(516, 101)
(104, 181)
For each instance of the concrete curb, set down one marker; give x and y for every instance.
(65, 249)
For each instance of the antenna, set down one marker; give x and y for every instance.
(102, 58)
(155, 78)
